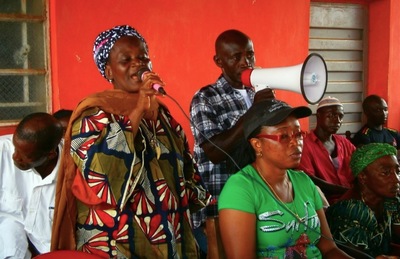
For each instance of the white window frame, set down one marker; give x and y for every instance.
(25, 71)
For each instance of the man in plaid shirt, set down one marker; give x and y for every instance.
(215, 113)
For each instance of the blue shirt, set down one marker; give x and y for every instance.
(368, 135)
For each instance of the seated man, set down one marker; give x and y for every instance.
(376, 111)
(326, 155)
(28, 168)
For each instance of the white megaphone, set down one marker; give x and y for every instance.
(310, 78)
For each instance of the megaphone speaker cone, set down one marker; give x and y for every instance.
(309, 78)
(314, 78)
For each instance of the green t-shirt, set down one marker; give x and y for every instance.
(279, 234)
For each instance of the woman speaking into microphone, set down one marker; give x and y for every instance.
(128, 183)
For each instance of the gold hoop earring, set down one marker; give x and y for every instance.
(259, 154)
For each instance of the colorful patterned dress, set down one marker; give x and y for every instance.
(352, 221)
(130, 204)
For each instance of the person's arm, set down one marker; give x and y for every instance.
(308, 165)
(146, 105)
(326, 244)
(13, 238)
(328, 188)
(228, 139)
(325, 202)
(238, 233)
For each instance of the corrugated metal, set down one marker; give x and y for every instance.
(337, 33)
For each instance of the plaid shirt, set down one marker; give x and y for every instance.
(214, 109)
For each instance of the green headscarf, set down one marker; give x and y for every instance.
(365, 155)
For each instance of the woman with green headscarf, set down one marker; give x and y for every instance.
(367, 216)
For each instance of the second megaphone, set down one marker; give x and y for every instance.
(309, 78)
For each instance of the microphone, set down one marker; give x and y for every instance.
(156, 87)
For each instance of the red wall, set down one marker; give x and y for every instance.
(384, 72)
(180, 35)
(394, 65)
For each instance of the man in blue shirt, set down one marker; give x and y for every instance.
(374, 131)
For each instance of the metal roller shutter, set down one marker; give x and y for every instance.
(337, 33)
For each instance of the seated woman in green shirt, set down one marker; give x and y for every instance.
(367, 216)
(268, 210)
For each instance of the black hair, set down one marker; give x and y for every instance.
(230, 36)
(63, 113)
(369, 99)
(242, 154)
(40, 128)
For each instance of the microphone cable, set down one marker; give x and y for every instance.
(202, 134)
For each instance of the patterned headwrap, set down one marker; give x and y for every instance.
(105, 41)
(365, 155)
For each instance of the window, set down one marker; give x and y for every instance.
(24, 68)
